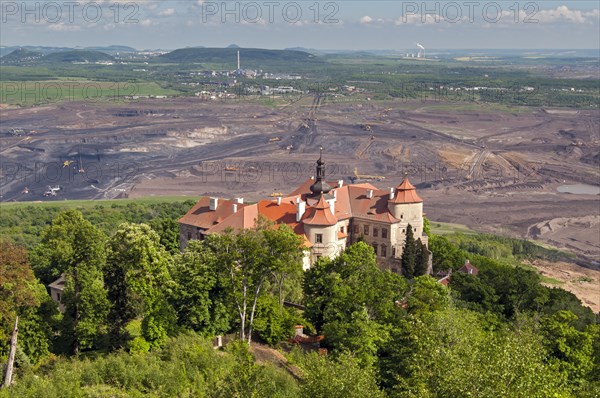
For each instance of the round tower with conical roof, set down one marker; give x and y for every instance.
(405, 205)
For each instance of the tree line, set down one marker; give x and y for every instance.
(133, 309)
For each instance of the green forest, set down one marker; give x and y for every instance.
(139, 317)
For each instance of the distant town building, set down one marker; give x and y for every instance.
(56, 291)
(445, 276)
(328, 215)
(469, 268)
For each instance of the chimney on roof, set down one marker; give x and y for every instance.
(369, 194)
(340, 183)
(332, 205)
(392, 193)
(334, 195)
(214, 203)
(239, 200)
(278, 200)
(300, 209)
(235, 207)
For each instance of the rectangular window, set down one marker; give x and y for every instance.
(375, 248)
(356, 228)
(384, 233)
(366, 230)
(58, 296)
(189, 236)
(318, 238)
(342, 229)
(375, 232)
(393, 251)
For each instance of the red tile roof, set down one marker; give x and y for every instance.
(321, 214)
(243, 218)
(469, 268)
(375, 208)
(351, 201)
(406, 193)
(201, 216)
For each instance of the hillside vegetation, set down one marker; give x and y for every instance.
(139, 315)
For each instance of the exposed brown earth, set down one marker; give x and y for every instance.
(583, 282)
(493, 169)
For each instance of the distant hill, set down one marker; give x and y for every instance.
(21, 56)
(250, 57)
(27, 57)
(306, 50)
(112, 50)
(76, 56)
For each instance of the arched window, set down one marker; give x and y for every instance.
(383, 250)
(375, 248)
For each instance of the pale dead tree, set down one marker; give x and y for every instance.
(11, 355)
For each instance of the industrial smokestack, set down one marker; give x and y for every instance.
(239, 60)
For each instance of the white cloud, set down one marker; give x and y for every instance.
(416, 19)
(563, 13)
(61, 27)
(167, 12)
(366, 19)
(147, 22)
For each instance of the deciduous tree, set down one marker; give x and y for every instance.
(137, 277)
(71, 246)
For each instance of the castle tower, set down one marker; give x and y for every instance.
(405, 205)
(321, 229)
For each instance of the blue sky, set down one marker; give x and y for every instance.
(346, 24)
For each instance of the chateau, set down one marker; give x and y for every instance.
(329, 216)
